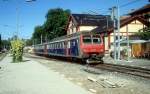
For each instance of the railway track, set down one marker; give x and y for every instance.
(136, 71)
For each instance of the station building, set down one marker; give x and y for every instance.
(102, 24)
(131, 24)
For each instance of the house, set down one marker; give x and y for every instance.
(129, 25)
(88, 22)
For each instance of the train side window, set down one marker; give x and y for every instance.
(52, 46)
(56, 45)
(59, 45)
(87, 39)
(49, 46)
(63, 45)
(68, 46)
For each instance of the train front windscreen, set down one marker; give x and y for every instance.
(91, 39)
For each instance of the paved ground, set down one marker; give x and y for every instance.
(79, 75)
(143, 63)
(30, 77)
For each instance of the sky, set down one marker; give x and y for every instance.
(30, 14)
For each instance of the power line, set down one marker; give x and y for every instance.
(124, 5)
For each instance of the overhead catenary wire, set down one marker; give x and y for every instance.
(129, 3)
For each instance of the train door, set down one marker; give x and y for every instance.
(45, 49)
(74, 47)
(67, 46)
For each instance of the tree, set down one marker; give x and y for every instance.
(38, 32)
(17, 50)
(5, 44)
(54, 26)
(144, 33)
(56, 21)
(29, 42)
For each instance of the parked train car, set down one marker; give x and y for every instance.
(81, 45)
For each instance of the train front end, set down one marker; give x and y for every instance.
(92, 48)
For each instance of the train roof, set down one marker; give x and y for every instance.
(69, 36)
(73, 35)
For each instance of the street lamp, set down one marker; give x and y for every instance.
(30, 0)
(17, 10)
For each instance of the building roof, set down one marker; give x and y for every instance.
(101, 21)
(90, 20)
(142, 10)
(128, 20)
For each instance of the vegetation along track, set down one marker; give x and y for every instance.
(136, 71)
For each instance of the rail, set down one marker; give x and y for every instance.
(136, 71)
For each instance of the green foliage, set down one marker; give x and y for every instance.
(144, 33)
(56, 22)
(17, 50)
(54, 26)
(38, 31)
(5, 44)
(28, 42)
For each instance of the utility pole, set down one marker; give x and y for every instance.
(118, 30)
(46, 38)
(128, 46)
(41, 39)
(113, 17)
(17, 32)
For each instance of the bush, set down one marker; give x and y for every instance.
(17, 50)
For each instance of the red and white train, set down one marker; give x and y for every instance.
(82, 45)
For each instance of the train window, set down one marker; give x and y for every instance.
(56, 45)
(63, 46)
(52, 46)
(49, 46)
(96, 39)
(87, 39)
(68, 46)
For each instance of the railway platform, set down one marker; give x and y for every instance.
(31, 77)
(138, 63)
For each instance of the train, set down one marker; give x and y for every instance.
(86, 46)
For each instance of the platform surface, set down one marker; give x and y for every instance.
(30, 77)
